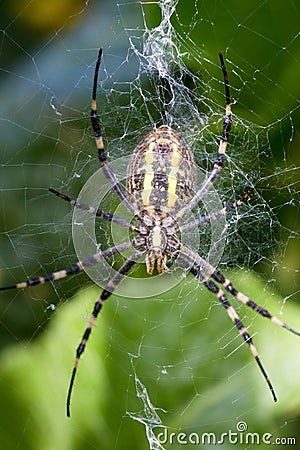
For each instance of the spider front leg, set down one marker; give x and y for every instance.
(212, 287)
(209, 271)
(217, 276)
(77, 267)
(106, 293)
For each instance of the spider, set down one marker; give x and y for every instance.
(159, 194)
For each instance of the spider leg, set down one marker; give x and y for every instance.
(217, 276)
(212, 287)
(110, 287)
(207, 270)
(218, 164)
(97, 212)
(203, 271)
(77, 267)
(209, 217)
(100, 146)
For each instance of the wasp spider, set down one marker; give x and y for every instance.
(159, 194)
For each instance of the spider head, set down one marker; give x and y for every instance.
(156, 244)
(159, 236)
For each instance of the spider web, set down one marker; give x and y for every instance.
(170, 362)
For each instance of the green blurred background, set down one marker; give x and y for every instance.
(178, 360)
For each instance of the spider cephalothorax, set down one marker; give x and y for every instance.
(158, 239)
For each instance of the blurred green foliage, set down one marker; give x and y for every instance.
(184, 352)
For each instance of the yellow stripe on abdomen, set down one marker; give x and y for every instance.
(149, 175)
(172, 177)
